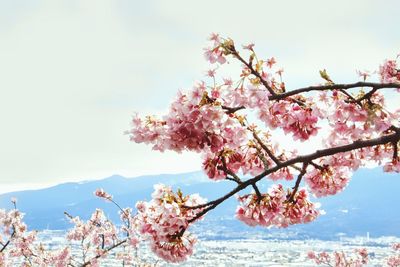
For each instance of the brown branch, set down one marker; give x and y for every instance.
(127, 222)
(254, 72)
(395, 151)
(232, 179)
(213, 204)
(298, 180)
(5, 245)
(334, 87)
(9, 240)
(367, 95)
(341, 87)
(260, 154)
(230, 110)
(348, 95)
(258, 193)
(102, 241)
(228, 171)
(389, 138)
(68, 215)
(265, 148)
(315, 165)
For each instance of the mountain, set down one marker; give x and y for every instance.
(368, 204)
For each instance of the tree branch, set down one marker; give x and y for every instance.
(230, 110)
(87, 263)
(258, 193)
(265, 148)
(296, 186)
(334, 87)
(254, 72)
(341, 87)
(9, 240)
(228, 171)
(389, 138)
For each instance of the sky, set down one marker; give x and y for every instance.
(72, 73)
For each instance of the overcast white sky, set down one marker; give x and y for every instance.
(72, 72)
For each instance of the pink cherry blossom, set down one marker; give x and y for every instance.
(327, 181)
(102, 194)
(392, 166)
(393, 261)
(164, 221)
(275, 209)
(389, 72)
(340, 259)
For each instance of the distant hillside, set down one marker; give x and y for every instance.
(369, 204)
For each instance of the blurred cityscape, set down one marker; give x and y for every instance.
(251, 252)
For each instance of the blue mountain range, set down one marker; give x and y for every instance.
(368, 204)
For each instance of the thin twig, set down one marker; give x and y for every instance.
(87, 263)
(9, 240)
(298, 180)
(228, 171)
(367, 95)
(265, 148)
(315, 165)
(254, 72)
(232, 179)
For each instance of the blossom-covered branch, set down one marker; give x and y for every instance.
(231, 123)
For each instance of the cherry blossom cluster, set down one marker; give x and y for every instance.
(102, 194)
(340, 259)
(326, 181)
(98, 231)
(276, 208)
(292, 118)
(351, 121)
(18, 246)
(389, 72)
(229, 122)
(394, 260)
(211, 119)
(164, 221)
(246, 160)
(393, 165)
(94, 238)
(190, 125)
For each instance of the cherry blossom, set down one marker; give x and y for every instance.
(276, 209)
(102, 194)
(327, 181)
(394, 260)
(164, 221)
(392, 166)
(340, 259)
(389, 72)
